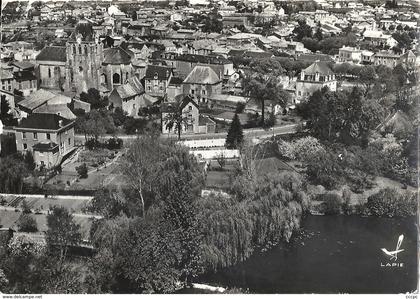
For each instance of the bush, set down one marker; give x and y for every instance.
(389, 203)
(114, 143)
(82, 171)
(26, 223)
(332, 203)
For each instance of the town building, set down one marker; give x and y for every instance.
(194, 122)
(49, 137)
(130, 97)
(202, 83)
(157, 79)
(313, 78)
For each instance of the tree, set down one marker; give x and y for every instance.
(95, 124)
(140, 166)
(265, 86)
(176, 119)
(367, 77)
(235, 134)
(94, 98)
(82, 171)
(63, 232)
(29, 161)
(26, 223)
(12, 173)
(221, 159)
(302, 30)
(5, 117)
(389, 202)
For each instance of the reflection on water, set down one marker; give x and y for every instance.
(333, 254)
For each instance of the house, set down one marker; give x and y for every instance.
(349, 54)
(313, 78)
(130, 97)
(193, 123)
(43, 97)
(202, 83)
(386, 58)
(49, 137)
(378, 38)
(186, 62)
(7, 80)
(157, 79)
(26, 81)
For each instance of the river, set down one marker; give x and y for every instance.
(333, 254)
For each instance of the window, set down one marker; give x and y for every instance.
(25, 146)
(203, 91)
(190, 108)
(48, 136)
(69, 141)
(35, 135)
(192, 91)
(116, 78)
(49, 73)
(23, 135)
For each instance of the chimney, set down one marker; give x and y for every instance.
(60, 123)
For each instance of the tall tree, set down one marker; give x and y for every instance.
(63, 232)
(235, 134)
(176, 119)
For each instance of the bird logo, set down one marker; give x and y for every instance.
(394, 254)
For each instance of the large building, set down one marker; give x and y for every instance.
(84, 57)
(49, 137)
(313, 78)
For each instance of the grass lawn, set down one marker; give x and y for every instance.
(218, 178)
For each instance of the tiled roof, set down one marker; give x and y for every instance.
(117, 56)
(132, 88)
(23, 65)
(52, 53)
(318, 67)
(5, 74)
(43, 121)
(59, 109)
(162, 72)
(170, 107)
(202, 75)
(175, 81)
(36, 99)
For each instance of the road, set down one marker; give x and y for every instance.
(252, 133)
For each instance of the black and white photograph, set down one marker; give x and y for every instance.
(197, 147)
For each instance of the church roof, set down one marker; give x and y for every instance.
(202, 75)
(52, 53)
(117, 55)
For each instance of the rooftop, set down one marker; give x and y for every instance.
(202, 75)
(52, 53)
(44, 121)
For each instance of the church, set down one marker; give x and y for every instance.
(83, 63)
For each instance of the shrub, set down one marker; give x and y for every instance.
(25, 208)
(114, 143)
(389, 203)
(26, 223)
(82, 171)
(332, 203)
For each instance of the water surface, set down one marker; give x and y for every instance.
(334, 254)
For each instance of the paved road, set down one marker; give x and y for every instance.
(253, 133)
(47, 212)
